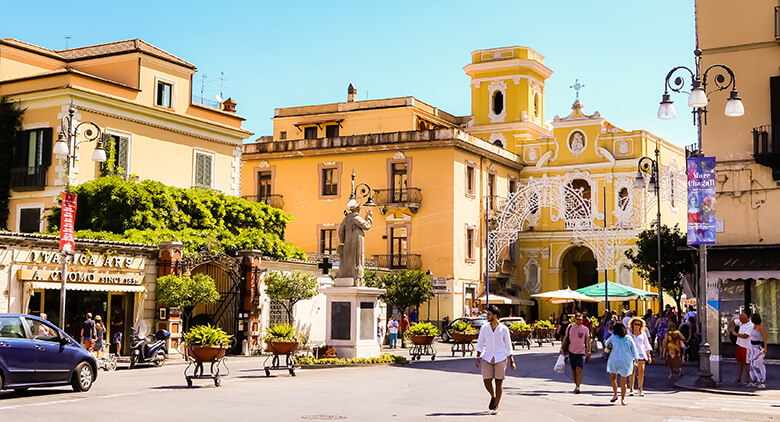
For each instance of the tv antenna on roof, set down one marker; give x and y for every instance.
(67, 38)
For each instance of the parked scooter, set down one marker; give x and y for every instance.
(151, 349)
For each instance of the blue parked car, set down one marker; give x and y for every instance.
(35, 353)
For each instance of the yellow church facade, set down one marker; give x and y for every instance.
(442, 182)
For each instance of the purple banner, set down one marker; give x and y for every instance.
(701, 201)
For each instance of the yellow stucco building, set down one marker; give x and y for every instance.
(745, 261)
(139, 95)
(437, 177)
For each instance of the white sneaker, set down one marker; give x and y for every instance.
(494, 411)
(761, 385)
(631, 393)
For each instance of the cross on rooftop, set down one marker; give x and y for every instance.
(325, 265)
(577, 87)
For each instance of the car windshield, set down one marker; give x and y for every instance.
(478, 322)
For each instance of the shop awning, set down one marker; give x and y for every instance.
(506, 300)
(89, 287)
(615, 291)
(564, 296)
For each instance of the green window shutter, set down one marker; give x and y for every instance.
(203, 170)
(207, 171)
(48, 133)
(122, 152)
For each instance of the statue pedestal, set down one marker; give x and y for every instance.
(351, 321)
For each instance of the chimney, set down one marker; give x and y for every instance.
(229, 105)
(351, 93)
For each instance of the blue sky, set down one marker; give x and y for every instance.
(282, 54)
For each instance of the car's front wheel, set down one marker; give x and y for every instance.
(83, 377)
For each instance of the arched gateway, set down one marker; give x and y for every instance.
(577, 212)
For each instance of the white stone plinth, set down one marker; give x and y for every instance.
(355, 301)
(344, 282)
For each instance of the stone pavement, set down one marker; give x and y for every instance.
(447, 389)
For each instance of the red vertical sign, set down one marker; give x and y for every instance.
(67, 222)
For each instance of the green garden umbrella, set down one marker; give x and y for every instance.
(615, 291)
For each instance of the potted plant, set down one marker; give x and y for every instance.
(422, 333)
(542, 328)
(520, 331)
(463, 332)
(206, 343)
(281, 339)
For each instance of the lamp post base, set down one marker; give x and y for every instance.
(705, 375)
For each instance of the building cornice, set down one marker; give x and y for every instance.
(108, 106)
(537, 67)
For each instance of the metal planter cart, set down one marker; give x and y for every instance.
(278, 349)
(422, 346)
(197, 356)
(521, 338)
(463, 343)
(544, 335)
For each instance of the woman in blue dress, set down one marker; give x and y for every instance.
(622, 359)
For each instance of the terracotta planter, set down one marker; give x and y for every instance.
(281, 347)
(206, 353)
(421, 340)
(464, 338)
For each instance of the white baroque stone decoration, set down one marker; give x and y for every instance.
(622, 147)
(568, 205)
(498, 137)
(624, 274)
(577, 143)
(533, 275)
(399, 155)
(532, 154)
(496, 85)
(263, 164)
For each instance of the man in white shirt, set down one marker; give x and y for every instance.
(494, 348)
(743, 343)
(392, 331)
(627, 318)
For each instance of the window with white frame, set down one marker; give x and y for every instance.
(204, 170)
(164, 94)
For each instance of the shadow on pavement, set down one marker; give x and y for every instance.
(483, 413)
(539, 366)
(11, 394)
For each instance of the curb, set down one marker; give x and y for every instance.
(684, 384)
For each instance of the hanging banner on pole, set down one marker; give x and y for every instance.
(702, 223)
(68, 222)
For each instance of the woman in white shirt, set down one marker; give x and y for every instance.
(642, 343)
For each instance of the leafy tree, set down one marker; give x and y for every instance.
(675, 263)
(186, 292)
(404, 290)
(10, 125)
(290, 288)
(110, 208)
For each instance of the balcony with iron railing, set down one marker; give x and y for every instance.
(28, 178)
(766, 148)
(398, 198)
(399, 261)
(274, 200)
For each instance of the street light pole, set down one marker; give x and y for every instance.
(723, 78)
(65, 149)
(650, 166)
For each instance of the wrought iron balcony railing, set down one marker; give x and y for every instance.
(398, 198)
(275, 200)
(766, 148)
(28, 178)
(399, 261)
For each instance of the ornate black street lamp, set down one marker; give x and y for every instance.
(722, 79)
(649, 166)
(361, 192)
(65, 149)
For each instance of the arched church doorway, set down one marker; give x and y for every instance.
(578, 270)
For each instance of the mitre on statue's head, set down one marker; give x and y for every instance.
(353, 205)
